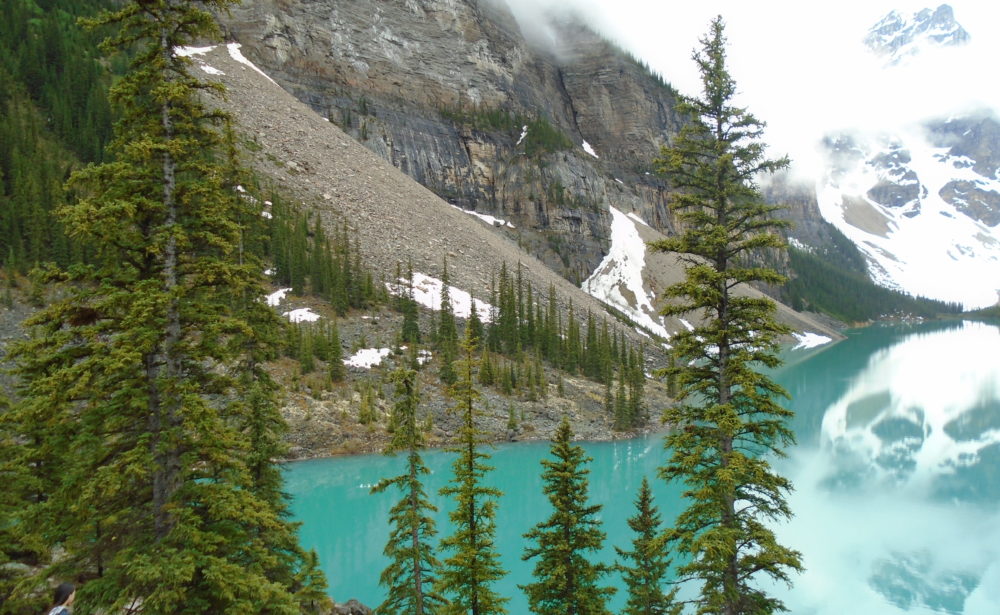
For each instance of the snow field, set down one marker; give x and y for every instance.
(940, 252)
(367, 358)
(622, 269)
(427, 292)
(301, 315)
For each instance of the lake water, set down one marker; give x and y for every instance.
(897, 478)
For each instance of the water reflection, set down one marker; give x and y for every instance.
(897, 499)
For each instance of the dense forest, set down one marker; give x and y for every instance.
(834, 280)
(54, 115)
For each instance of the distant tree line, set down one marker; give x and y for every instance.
(828, 283)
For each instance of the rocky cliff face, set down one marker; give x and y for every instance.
(454, 95)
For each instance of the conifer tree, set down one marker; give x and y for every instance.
(17, 541)
(474, 326)
(727, 417)
(413, 568)
(447, 333)
(411, 326)
(566, 583)
(336, 354)
(474, 563)
(156, 496)
(646, 565)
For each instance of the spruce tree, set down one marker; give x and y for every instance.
(413, 569)
(474, 563)
(566, 582)
(336, 354)
(156, 497)
(447, 333)
(727, 417)
(410, 333)
(646, 565)
(474, 326)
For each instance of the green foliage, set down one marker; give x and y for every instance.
(19, 543)
(528, 326)
(726, 417)
(447, 332)
(151, 470)
(310, 262)
(413, 569)
(565, 581)
(542, 137)
(366, 409)
(58, 63)
(821, 284)
(646, 565)
(511, 418)
(410, 333)
(53, 113)
(335, 354)
(474, 563)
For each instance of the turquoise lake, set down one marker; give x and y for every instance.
(896, 474)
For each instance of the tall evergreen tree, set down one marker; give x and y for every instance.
(410, 333)
(727, 419)
(155, 497)
(474, 564)
(646, 567)
(336, 354)
(474, 326)
(413, 568)
(447, 332)
(566, 582)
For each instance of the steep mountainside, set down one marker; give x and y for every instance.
(452, 94)
(395, 218)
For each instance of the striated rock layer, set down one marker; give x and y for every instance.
(444, 89)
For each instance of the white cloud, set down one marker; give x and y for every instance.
(801, 66)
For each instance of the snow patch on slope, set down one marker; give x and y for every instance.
(302, 315)
(524, 133)
(618, 279)
(427, 292)
(367, 358)
(236, 54)
(192, 52)
(277, 296)
(636, 217)
(492, 221)
(590, 150)
(187, 52)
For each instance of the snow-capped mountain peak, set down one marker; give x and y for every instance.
(897, 37)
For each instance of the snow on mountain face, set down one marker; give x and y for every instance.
(922, 204)
(897, 37)
(618, 280)
(926, 216)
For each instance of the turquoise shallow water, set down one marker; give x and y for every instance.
(897, 476)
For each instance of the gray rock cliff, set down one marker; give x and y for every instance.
(443, 89)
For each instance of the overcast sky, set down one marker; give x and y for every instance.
(801, 66)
